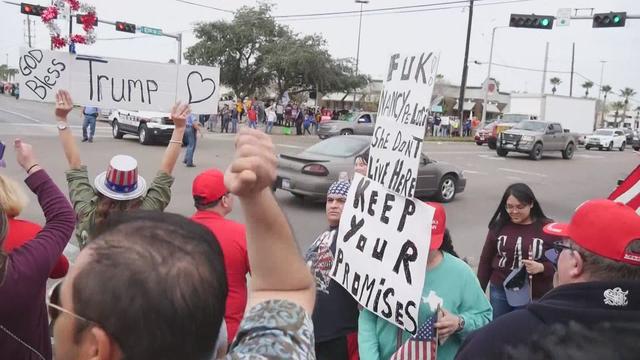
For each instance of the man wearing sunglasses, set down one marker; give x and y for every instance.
(152, 285)
(597, 281)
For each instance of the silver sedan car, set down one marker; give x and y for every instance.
(353, 123)
(310, 173)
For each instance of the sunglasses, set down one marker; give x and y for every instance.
(554, 253)
(55, 308)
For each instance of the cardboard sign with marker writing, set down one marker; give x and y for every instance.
(381, 251)
(403, 110)
(117, 83)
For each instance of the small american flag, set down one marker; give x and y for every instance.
(423, 345)
(629, 191)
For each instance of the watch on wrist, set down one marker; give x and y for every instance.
(460, 323)
(62, 125)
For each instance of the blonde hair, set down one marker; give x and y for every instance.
(12, 197)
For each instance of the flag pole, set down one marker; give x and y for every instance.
(530, 276)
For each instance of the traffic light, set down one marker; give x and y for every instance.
(79, 19)
(611, 19)
(30, 9)
(126, 27)
(531, 21)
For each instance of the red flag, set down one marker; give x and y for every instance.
(629, 191)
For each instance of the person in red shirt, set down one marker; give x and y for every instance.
(213, 202)
(13, 200)
(253, 117)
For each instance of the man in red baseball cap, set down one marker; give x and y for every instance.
(597, 280)
(213, 203)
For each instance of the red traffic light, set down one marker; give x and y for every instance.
(30, 9)
(126, 27)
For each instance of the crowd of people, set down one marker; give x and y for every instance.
(153, 285)
(451, 126)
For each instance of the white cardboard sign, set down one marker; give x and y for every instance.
(381, 251)
(403, 110)
(118, 83)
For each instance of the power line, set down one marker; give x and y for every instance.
(206, 6)
(365, 11)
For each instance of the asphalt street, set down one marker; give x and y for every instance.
(560, 185)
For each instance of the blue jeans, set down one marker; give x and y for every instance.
(253, 124)
(269, 127)
(498, 300)
(191, 145)
(234, 125)
(89, 122)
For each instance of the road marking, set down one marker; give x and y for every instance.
(290, 146)
(20, 115)
(522, 172)
(590, 156)
(474, 172)
(514, 178)
(489, 157)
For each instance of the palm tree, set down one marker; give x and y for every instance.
(586, 86)
(626, 93)
(555, 81)
(617, 106)
(606, 90)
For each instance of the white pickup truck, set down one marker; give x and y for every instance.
(606, 139)
(149, 126)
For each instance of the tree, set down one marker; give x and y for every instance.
(238, 48)
(555, 81)
(587, 85)
(617, 106)
(626, 93)
(606, 90)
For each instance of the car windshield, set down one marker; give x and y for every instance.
(347, 117)
(604, 132)
(531, 125)
(341, 146)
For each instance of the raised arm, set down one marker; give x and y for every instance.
(64, 105)
(277, 268)
(179, 114)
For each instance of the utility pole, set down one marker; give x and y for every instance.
(465, 67)
(486, 81)
(573, 59)
(602, 62)
(544, 79)
(361, 2)
(29, 29)
(179, 38)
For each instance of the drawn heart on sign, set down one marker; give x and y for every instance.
(200, 88)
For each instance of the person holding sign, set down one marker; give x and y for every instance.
(120, 188)
(450, 287)
(515, 227)
(335, 318)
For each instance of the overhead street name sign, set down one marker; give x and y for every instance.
(150, 30)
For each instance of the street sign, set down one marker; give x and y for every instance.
(150, 30)
(564, 16)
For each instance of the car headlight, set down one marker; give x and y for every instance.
(156, 120)
(526, 138)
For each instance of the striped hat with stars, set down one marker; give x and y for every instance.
(339, 188)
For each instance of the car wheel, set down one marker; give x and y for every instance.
(346, 132)
(587, 147)
(502, 152)
(536, 152)
(143, 134)
(610, 147)
(567, 153)
(623, 146)
(115, 130)
(479, 143)
(492, 145)
(447, 188)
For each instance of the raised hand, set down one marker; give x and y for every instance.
(254, 166)
(179, 114)
(24, 154)
(64, 104)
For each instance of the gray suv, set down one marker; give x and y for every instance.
(358, 123)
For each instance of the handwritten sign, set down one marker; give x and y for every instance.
(381, 251)
(118, 83)
(403, 110)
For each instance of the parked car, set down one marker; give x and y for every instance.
(505, 122)
(358, 123)
(629, 134)
(636, 141)
(149, 126)
(535, 137)
(607, 139)
(484, 133)
(310, 173)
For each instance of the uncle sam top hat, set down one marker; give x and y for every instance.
(121, 180)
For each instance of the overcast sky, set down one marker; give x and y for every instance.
(440, 30)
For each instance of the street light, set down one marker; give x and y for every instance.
(486, 81)
(361, 2)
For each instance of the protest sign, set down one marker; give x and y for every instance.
(117, 83)
(381, 251)
(403, 110)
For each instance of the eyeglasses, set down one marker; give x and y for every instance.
(55, 308)
(554, 253)
(517, 208)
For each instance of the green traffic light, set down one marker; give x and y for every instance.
(616, 19)
(544, 22)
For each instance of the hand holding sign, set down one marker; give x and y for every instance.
(254, 166)
(447, 324)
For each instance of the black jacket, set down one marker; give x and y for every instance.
(588, 303)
